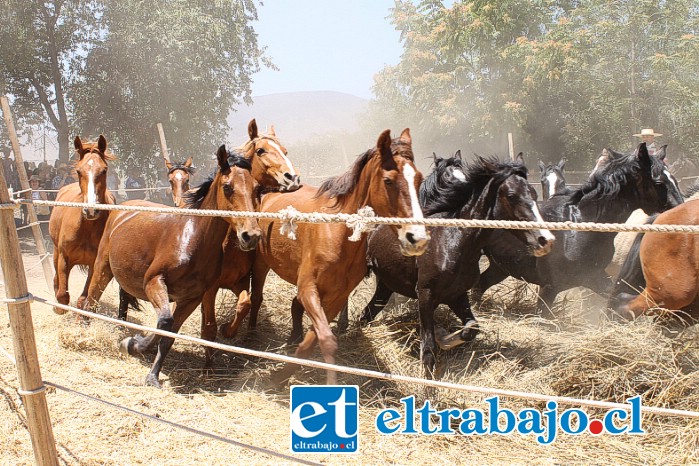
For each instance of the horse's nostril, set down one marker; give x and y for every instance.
(410, 237)
(245, 236)
(543, 241)
(289, 176)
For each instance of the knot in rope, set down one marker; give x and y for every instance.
(289, 225)
(357, 222)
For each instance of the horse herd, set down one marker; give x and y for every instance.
(185, 259)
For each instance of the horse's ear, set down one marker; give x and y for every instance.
(643, 156)
(102, 144)
(562, 164)
(252, 129)
(77, 143)
(661, 153)
(542, 167)
(168, 164)
(384, 147)
(434, 157)
(457, 154)
(405, 136)
(271, 131)
(188, 163)
(519, 158)
(222, 156)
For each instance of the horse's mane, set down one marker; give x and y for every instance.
(606, 184)
(339, 187)
(181, 166)
(478, 173)
(194, 198)
(438, 194)
(92, 146)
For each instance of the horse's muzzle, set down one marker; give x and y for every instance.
(90, 214)
(290, 183)
(413, 240)
(544, 242)
(248, 240)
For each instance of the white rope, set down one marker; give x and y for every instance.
(376, 374)
(352, 219)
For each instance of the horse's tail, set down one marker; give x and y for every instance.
(84, 268)
(129, 300)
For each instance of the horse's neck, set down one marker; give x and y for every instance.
(214, 229)
(478, 209)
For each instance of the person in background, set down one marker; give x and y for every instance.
(63, 177)
(135, 181)
(43, 212)
(648, 136)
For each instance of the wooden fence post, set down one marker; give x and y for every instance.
(24, 182)
(511, 145)
(32, 389)
(163, 144)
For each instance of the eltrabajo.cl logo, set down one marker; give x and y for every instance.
(324, 418)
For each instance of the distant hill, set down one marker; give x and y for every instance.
(297, 116)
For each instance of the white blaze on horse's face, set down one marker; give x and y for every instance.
(672, 179)
(178, 176)
(286, 177)
(459, 175)
(413, 238)
(546, 238)
(91, 191)
(551, 178)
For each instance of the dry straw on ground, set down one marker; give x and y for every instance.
(579, 355)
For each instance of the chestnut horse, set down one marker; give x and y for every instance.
(163, 258)
(670, 264)
(76, 234)
(178, 175)
(324, 264)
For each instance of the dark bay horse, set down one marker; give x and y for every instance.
(553, 182)
(178, 175)
(492, 190)
(670, 266)
(76, 233)
(627, 182)
(324, 264)
(166, 257)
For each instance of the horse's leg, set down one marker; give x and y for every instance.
(377, 303)
(242, 308)
(173, 323)
(674, 294)
(461, 307)
(296, 322)
(490, 277)
(208, 322)
(259, 274)
(427, 341)
(60, 281)
(123, 304)
(83, 295)
(343, 319)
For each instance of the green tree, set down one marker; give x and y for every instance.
(38, 41)
(171, 61)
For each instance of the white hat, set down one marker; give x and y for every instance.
(647, 132)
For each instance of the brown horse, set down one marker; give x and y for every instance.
(178, 175)
(324, 264)
(670, 263)
(163, 258)
(76, 234)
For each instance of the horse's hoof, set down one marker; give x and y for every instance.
(59, 310)
(126, 346)
(226, 331)
(152, 381)
(447, 341)
(294, 339)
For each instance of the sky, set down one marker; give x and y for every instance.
(325, 45)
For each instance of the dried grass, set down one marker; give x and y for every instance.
(581, 355)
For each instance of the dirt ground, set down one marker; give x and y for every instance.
(580, 355)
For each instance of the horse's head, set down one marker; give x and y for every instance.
(515, 200)
(92, 173)
(270, 165)
(445, 187)
(178, 175)
(552, 180)
(237, 190)
(657, 187)
(394, 186)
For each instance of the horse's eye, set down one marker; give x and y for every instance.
(260, 151)
(388, 181)
(227, 189)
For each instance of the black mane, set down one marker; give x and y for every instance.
(181, 166)
(194, 198)
(439, 195)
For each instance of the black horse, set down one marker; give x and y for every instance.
(627, 182)
(443, 275)
(552, 180)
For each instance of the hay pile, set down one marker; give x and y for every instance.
(579, 356)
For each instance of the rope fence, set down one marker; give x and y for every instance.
(365, 219)
(371, 373)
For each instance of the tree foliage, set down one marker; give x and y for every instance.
(567, 77)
